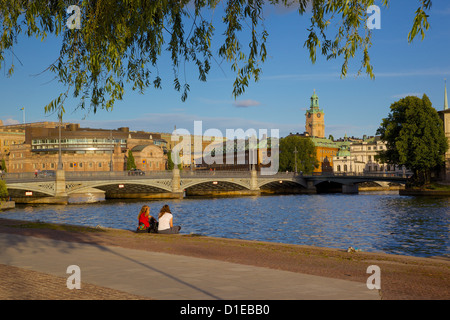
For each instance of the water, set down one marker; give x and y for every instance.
(373, 222)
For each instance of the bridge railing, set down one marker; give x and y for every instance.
(371, 174)
(25, 177)
(212, 173)
(168, 174)
(112, 175)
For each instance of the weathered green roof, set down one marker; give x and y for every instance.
(139, 148)
(324, 142)
(314, 110)
(344, 151)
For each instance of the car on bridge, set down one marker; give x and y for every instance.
(136, 172)
(46, 173)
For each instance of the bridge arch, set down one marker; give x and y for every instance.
(242, 183)
(15, 191)
(328, 186)
(116, 185)
(281, 183)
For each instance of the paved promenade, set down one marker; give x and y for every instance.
(160, 276)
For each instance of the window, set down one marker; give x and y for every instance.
(338, 168)
(99, 164)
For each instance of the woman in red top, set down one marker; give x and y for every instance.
(144, 217)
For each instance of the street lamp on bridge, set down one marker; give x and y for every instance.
(295, 154)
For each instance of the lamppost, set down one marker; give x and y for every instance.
(23, 114)
(112, 151)
(295, 154)
(60, 164)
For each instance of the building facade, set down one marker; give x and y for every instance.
(360, 158)
(84, 149)
(326, 149)
(9, 137)
(207, 144)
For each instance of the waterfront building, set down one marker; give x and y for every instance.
(148, 157)
(345, 162)
(15, 134)
(207, 143)
(238, 155)
(326, 149)
(84, 149)
(359, 157)
(9, 137)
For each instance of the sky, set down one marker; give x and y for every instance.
(354, 106)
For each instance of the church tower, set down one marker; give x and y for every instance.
(445, 117)
(445, 96)
(315, 122)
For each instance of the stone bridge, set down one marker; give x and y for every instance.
(26, 188)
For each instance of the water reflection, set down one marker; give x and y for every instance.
(382, 222)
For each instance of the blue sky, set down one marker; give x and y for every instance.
(354, 106)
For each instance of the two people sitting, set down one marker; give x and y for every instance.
(149, 224)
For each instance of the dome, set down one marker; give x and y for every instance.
(344, 152)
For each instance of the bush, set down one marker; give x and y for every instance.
(3, 191)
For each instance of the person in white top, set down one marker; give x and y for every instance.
(166, 221)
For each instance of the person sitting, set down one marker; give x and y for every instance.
(166, 222)
(147, 223)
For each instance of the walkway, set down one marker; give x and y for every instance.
(171, 277)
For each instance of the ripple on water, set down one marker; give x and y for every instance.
(371, 222)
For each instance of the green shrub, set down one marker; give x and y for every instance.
(3, 191)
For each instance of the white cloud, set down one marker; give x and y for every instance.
(414, 73)
(10, 122)
(404, 95)
(444, 12)
(246, 103)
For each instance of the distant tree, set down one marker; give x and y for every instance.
(94, 63)
(415, 138)
(131, 164)
(3, 191)
(170, 164)
(3, 165)
(331, 137)
(306, 154)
